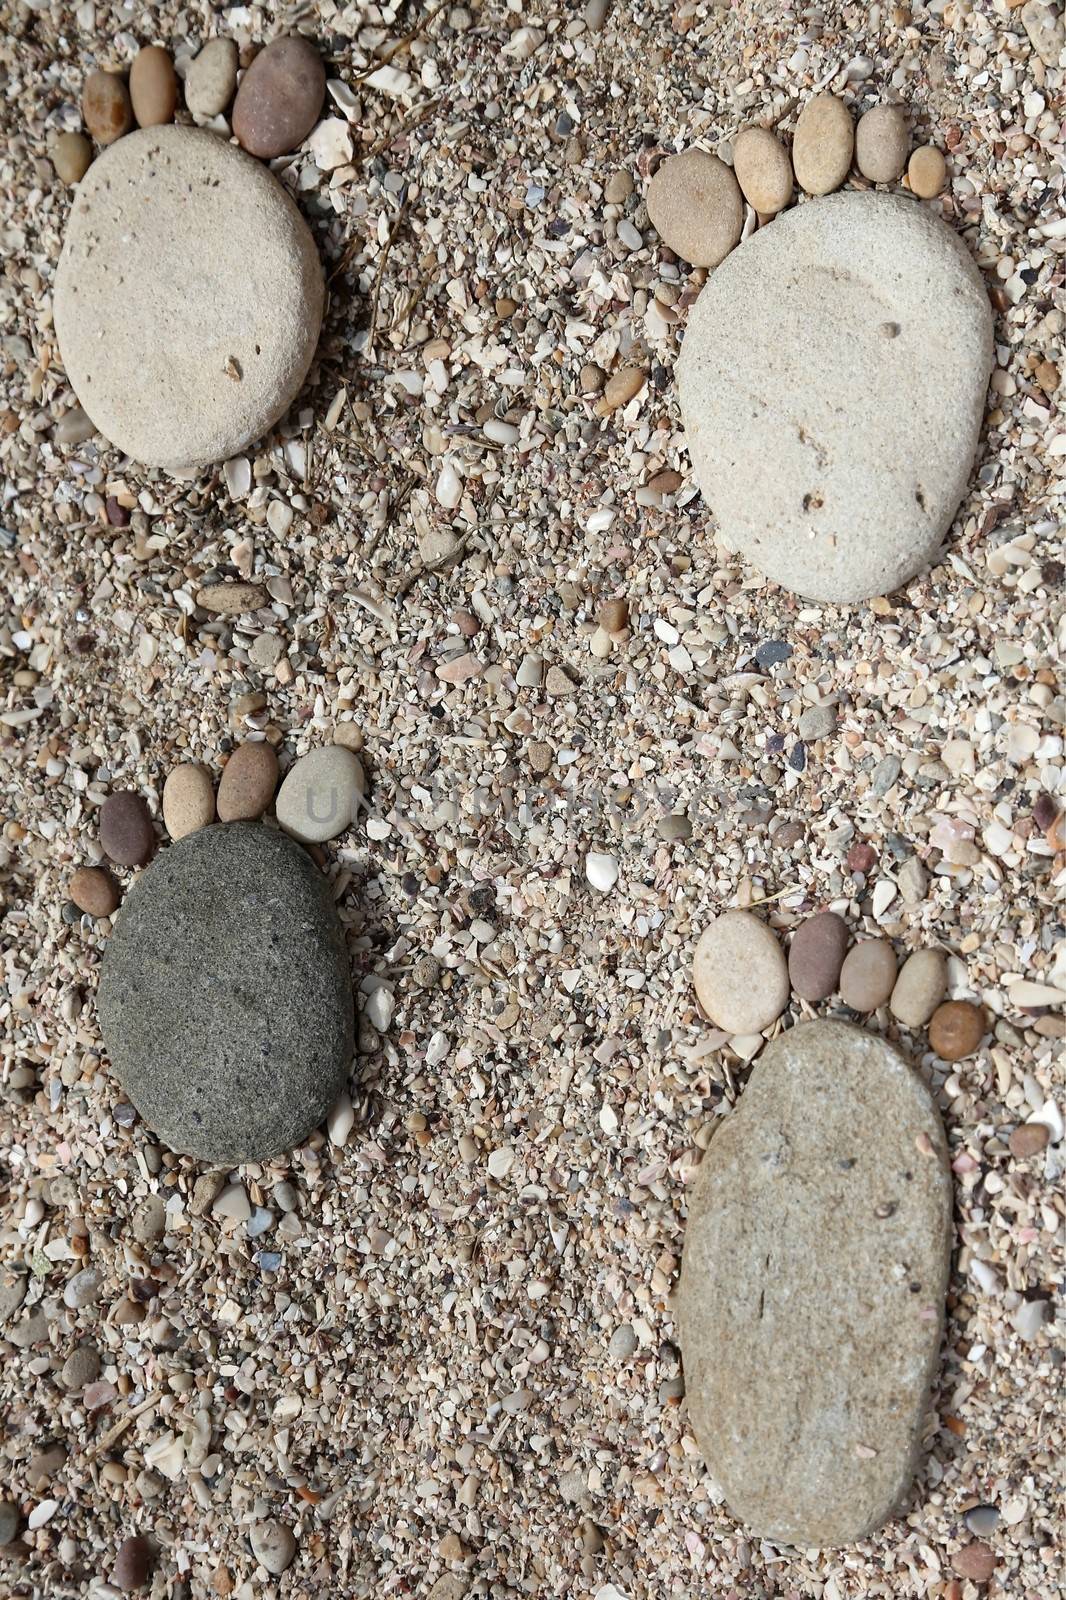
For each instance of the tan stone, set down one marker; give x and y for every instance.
(740, 974)
(763, 170)
(694, 201)
(188, 799)
(248, 781)
(823, 144)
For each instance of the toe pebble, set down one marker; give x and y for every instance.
(694, 201)
(823, 144)
(188, 800)
(248, 781)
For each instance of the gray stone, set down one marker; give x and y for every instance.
(226, 998)
(812, 1286)
(80, 1367)
(1043, 21)
(12, 1292)
(817, 722)
(188, 297)
(9, 1521)
(273, 1546)
(886, 772)
(150, 1220)
(83, 1289)
(31, 1330)
(832, 383)
(623, 1342)
(913, 881)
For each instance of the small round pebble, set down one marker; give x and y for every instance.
(823, 144)
(695, 203)
(80, 1367)
(150, 1220)
(273, 1546)
(320, 796)
(983, 1520)
(153, 87)
(280, 98)
(188, 799)
(868, 975)
(212, 78)
(133, 1564)
(926, 172)
(248, 781)
(956, 1029)
(9, 1521)
(71, 156)
(816, 955)
(919, 988)
(881, 144)
(1028, 1139)
(105, 106)
(126, 829)
(975, 1561)
(740, 974)
(763, 170)
(94, 891)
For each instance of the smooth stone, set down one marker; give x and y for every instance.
(975, 1561)
(868, 975)
(739, 973)
(926, 172)
(72, 156)
(133, 1564)
(150, 1220)
(868, 474)
(179, 367)
(882, 142)
(822, 145)
(280, 97)
(94, 891)
(232, 599)
(1027, 1140)
(126, 831)
(80, 1367)
(956, 1028)
(188, 799)
(83, 1289)
(212, 78)
(816, 955)
(248, 781)
(9, 1521)
(105, 106)
(225, 1000)
(817, 722)
(694, 202)
(12, 1292)
(273, 1545)
(763, 170)
(919, 988)
(153, 86)
(321, 793)
(808, 1352)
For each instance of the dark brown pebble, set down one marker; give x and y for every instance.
(1045, 810)
(817, 954)
(280, 98)
(789, 833)
(132, 1564)
(126, 829)
(956, 1028)
(118, 515)
(975, 1560)
(1028, 1139)
(861, 858)
(94, 891)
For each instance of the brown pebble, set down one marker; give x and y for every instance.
(926, 172)
(620, 388)
(823, 144)
(614, 615)
(956, 1029)
(788, 834)
(132, 1564)
(153, 87)
(248, 781)
(975, 1561)
(126, 829)
(105, 106)
(1028, 1139)
(861, 858)
(816, 955)
(72, 156)
(1045, 811)
(868, 975)
(695, 204)
(881, 144)
(280, 98)
(188, 799)
(231, 599)
(94, 891)
(592, 378)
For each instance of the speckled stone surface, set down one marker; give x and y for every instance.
(812, 1286)
(226, 999)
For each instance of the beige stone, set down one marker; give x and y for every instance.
(919, 988)
(153, 86)
(763, 170)
(248, 781)
(740, 974)
(926, 172)
(212, 78)
(321, 794)
(868, 975)
(72, 156)
(694, 201)
(188, 799)
(823, 144)
(881, 144)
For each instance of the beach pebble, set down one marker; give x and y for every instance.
(248, 781)
(1029, 1139)
(956, 1028)
(1045, 24)
(126, 831)
(822, 144)
(9, 1521)
(212, 78)
(809, 1405)
(150, 1219)
(80, 1367)
(82, 1289)
(105, 106)
(321, 793)
(881, 144)
(225, 1000)
(231, 599)
(280, 97)
(623, 1343)
(817, 722)
(12, 1292)
(740, 974)
(975, 1561)
(853, 508)
(919, 988)
(621, 387)
(868, 975)
(816, 955)
(94, 891)
(136, 344)
(926, 172)
(133, 1565)
(273, 1546)
(694, 202)
(188, 799)
(601, 870)
(153, 86)
(71, 155)
(763, 170)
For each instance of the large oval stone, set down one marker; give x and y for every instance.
(188, 297)
(226, 998)
(832, 383)
(812, 1286)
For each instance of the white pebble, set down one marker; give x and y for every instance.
(601, 871)
(237, 472)
(379, 1007)
(341, 1119)
(331, 144)
(501, 432)
(233, 1202)
(449, 487)
(501, 1161)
